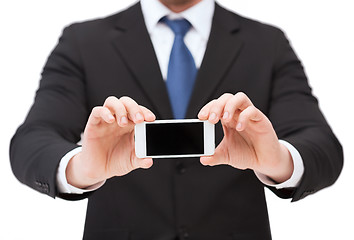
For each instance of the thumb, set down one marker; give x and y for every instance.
(142, 162)
(217, 159)
(139, 162)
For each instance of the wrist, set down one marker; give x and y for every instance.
(78, 174)
(282, 168)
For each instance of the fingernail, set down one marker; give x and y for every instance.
(139, 116)
(239, 126)
(110, 118)
(226, 115)
(212, 116)
(124, 120)
(203, 114)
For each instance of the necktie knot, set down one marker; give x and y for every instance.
(179, 26)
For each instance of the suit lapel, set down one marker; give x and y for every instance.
(133, 43)
(222, 49)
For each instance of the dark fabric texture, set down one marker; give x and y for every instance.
(175, 199)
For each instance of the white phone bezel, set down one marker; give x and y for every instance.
(140, 138)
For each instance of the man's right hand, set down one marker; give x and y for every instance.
(108, 143)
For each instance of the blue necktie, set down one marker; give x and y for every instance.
(181, 69)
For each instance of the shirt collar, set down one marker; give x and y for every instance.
(200, 15)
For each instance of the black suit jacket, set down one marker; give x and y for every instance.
(175, 198)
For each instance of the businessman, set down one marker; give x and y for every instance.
(175, 59)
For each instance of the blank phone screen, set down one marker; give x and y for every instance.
(174, 139)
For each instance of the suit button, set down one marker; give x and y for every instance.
(181, 168)
(46, 188)
(42, 187)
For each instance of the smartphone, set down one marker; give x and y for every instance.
(174, 138)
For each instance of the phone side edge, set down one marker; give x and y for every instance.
(140, 140)
(209, 138)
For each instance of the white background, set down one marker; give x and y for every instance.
(321, 33)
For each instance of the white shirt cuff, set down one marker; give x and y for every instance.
(62, 183)
(298, 172)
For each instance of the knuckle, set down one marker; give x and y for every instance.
(249, 112)
(209, 104)
(243, 100)
(96, 109)
(129, 104)
(226, 95)
(110, 100)
(240, 95)
(125, 99)
(144, 109)
(213, 102)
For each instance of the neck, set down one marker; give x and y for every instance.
(179, 5)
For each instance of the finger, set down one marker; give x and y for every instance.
(207, 160)
(248, 116)
(210, 161)
(239, 101)
(217, 159)
(145, 163)
(100, 113)
(217, 108)
(141, 162)
(118, 108)
(148, 115)
(134, 111)
(204, 112)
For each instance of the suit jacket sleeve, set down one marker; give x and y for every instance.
(55, 121)
(296, 117)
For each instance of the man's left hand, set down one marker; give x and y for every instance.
(250, 141)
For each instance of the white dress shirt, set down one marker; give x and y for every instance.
(200, 16)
